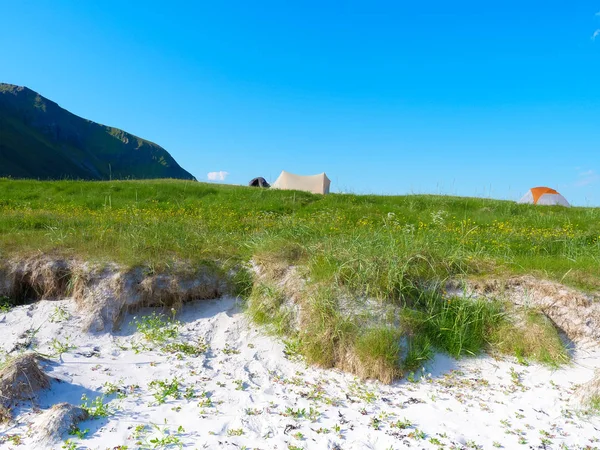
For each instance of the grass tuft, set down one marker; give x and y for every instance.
(530, 335)
(458, 326)
(378, 350)
(266, 306)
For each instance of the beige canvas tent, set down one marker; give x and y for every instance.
(317, 184)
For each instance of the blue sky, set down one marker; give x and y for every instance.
(466, 97)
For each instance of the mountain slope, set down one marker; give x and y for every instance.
(39, 139)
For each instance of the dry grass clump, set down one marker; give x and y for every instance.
(98, 292)
(5, 415)
(529, 334)
(332, 334)
(373, 353)
(377, 354)
(276, 255)
(104, 293)
(588, 395)
(37, 277)
(53, 423)
(276, 296)
(21, 379)
(266, 306)
(575, 313)
(325, 332)
(590, 389)
(174, 289)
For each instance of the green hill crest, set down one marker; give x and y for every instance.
(39, 139)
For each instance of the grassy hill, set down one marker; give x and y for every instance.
(154, 221)
(39, 139)
(390, 252)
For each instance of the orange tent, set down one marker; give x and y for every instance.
(544, 196)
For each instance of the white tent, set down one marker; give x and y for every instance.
(317, 184)
(544, 196)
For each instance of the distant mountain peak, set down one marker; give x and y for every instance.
(39, 139)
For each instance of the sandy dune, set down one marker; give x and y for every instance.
(245, 391)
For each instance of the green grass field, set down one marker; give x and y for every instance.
(397, 250)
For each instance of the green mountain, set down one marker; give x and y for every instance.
(39, 139)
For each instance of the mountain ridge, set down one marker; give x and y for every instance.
(40, 139)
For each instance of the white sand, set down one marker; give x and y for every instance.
(253, 388)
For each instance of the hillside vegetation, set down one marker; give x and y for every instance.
(358, 254)
(39, 139)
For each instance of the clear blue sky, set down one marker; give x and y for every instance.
(466, 97)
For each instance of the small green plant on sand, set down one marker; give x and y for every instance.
(235, 431)
(401, 424)
(228, 350)
(69, 445)
(96, 408)
(14, 439)
(76, 431)
(6, 304)
(163, 389)
(157, 328)
(164, 438)
(205, 401)
(119, 389)
(591, 407)
(61, 347)
(139, 431)
(60, 314)
(185, 348)
(297, 413)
